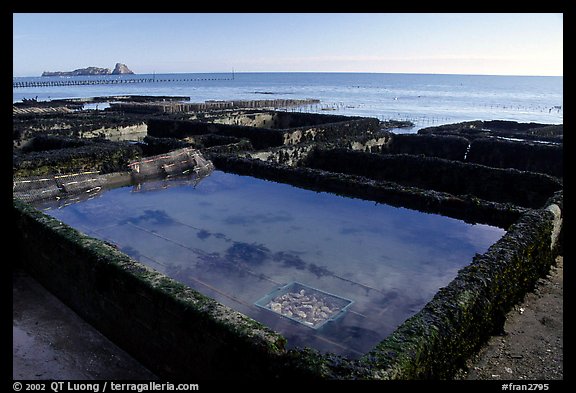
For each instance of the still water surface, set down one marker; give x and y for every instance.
(237, 238)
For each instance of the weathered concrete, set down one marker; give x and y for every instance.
(507, 144)
(292, 155)
(63, 156)
(466, 207)
(50, 341)
(527, 189)
(451, 327)
(285, 128)
(170, 328)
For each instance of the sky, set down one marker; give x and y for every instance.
(450, 43)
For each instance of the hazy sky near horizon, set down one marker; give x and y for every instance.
(451, 43)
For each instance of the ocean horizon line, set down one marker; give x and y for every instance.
(234, 72)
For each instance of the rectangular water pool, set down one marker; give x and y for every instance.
(238, 239)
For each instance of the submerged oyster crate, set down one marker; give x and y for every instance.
(306, 305)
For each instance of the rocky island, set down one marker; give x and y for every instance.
(118, 70)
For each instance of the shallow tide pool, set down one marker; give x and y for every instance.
(238, 238)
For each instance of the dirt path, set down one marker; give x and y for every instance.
(532, 348)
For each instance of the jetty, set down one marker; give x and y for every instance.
(85, 82)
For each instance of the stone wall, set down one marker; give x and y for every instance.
(448, 147)
(465, 207)
(434, 343)
(287, 129)
(173, 330)
(259, 137)
(535, 157)
(525, 189)
(62, 155)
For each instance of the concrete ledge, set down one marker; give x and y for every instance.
(467, 207)
(527, 189)
(535, 157)
(285, 129)
(434, 343)
(75, 156)
(170, 328)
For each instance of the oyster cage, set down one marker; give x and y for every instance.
(306, 305)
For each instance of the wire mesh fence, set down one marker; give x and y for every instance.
(36, 188)
(186, 161)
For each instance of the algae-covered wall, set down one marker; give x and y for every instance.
(448, 147)
(259, 137)
(535, 157)
(302, 128)
(505, 144)
(172, 329)
(467, 207)
(484, 150)
(66, 156)
(434, 343)
(525, 189)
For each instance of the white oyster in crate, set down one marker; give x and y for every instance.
(306, 305)
(311, 309)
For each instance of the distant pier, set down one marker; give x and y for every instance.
(175, 107)
(25, 84)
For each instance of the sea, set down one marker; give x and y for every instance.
(423, 99)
